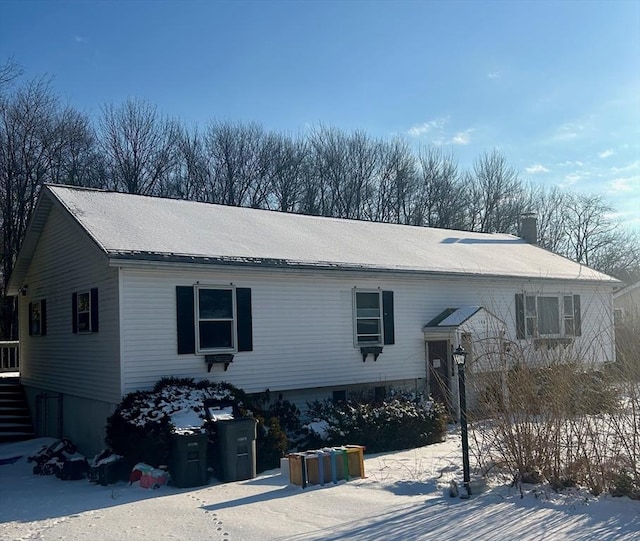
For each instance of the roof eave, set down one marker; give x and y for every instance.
(140, 259)
(29, 243)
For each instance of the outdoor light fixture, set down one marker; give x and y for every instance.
(459, 356)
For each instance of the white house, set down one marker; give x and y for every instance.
(626, 302)
(117, 291)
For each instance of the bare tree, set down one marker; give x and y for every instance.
(73, 154)
(397, 183)
(139, 145)
(9, 73)
(548, 205)
(190, 176)
(620, 257)
(587, 227)
(328, 169)
(439, 198)
(40, 141)
(236, 163)
(497, 195)
(287, 170)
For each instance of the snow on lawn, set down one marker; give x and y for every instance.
(403, 497)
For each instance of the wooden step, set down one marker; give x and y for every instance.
(15, 420)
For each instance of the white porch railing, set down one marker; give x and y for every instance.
(10, 356)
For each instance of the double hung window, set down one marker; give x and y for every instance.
(368, 318)
(215, 314)
(84, 311)
(373, 320)
(550, 316)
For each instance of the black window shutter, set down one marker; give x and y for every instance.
(185, 320)
(520, 328)
(243, 319)
(387, 318)
(74, 312)
(94, 309)
(30, 318)
(43, 317)
(577, 316)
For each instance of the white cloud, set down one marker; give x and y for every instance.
(426, 127)
(79, 39)
(572, 178)
(571, 164)
(631, 167)
(462, 137)
(567, 132)
(606, 153)
(622, 184)
(536, 169)
(493, 75)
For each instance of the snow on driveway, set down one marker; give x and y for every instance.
(403, 497)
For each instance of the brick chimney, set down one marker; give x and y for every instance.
(529, 227)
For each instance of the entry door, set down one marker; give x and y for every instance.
(440, 372)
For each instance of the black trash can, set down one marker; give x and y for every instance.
(188, 466)
(236, 449)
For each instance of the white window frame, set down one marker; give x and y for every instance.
(532, 321)
(356, 318)
(87, 311)
(233, 319)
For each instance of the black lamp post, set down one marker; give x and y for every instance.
(459, 356)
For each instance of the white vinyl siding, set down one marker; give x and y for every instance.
(286, 355)
(67, 261)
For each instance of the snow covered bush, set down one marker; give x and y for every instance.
(400, 422)
(140, 428)
(142, 425)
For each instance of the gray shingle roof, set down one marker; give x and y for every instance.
(139, 227)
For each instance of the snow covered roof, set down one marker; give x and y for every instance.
(453, 317)
(139, 227)
(626, 290)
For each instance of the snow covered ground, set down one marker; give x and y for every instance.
(403, 497)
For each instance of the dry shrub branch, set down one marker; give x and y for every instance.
(561, 420)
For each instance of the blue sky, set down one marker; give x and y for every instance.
(555, 86)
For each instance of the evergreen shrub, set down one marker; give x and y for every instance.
(399, 422)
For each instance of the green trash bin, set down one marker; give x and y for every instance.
(236, 449)
(188, 466)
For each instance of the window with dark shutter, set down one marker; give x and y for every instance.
(373, 317)
(388, 318)
(43, 317)
(577, 315)
(84, 311)
(94, 310)
(213, 319)
(185, 320)
(520, 329)
(244, 322)
(555, 316)
(38, 318)
(74, 312)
